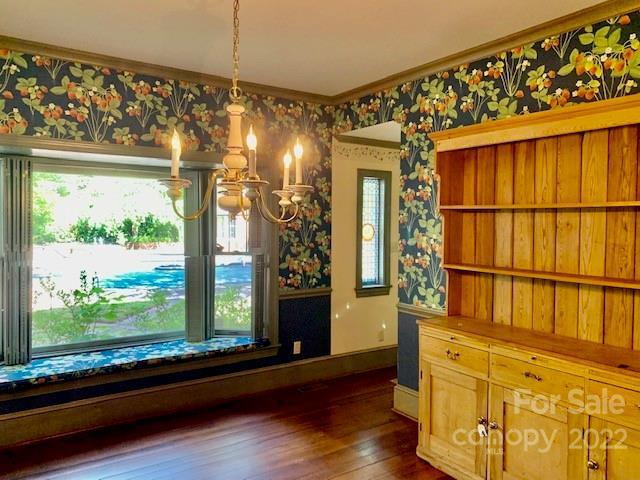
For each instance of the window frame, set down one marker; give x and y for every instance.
(384, 288)
(197, 239)
(41, 164)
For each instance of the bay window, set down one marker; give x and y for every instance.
(94, 256)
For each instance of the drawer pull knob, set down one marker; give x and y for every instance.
(452, 337)
(533, 376)
(534, 358)
(452, 355)
(494, 426)
(593, 465)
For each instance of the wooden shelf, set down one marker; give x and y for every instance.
(558, 277)
(544, 206)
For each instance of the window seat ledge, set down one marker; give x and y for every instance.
(80, 365)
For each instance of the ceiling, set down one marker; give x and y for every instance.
(324, 47)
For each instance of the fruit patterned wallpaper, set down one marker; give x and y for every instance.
(593, 63)
(49, 97)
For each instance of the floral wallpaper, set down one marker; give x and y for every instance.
(593, 63)
(48, 97)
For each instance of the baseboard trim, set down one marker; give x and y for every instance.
(125, 407)
(405, 401)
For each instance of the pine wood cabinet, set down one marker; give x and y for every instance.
(501, 402)
(614, 451)
(541, 248)
(452, 407)
(534, 443)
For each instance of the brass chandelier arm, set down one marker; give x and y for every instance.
(264, 211)
(246, 213)
(205, 201)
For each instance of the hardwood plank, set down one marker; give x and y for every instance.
(618, 317)
(542, 206)
(636, 320)
(468, 248)
(327, 430)
(621, 364)
(621, 232)
(485, 225)
(544, 243)
(448, 167)
(524, 172)
(593, 232)
(503, 250)
(591, 280)
(636, 299)
(568, 233)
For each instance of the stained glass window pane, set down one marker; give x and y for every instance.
(372, 231)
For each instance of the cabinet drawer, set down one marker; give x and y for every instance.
(527, 376)
(455, 338)
(616, 404)
(455, 355)
(534, 358)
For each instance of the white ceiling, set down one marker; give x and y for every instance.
(324, 47)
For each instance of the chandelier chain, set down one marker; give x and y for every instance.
(235, 91)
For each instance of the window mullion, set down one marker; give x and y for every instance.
(199, 261)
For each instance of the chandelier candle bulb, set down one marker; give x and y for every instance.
(176, 150)
(252, 144)
(287, 164)
(297, 151)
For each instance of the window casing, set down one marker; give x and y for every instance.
(209, 305)
(373, 232)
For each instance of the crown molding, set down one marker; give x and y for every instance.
(586, 16)
(160, 71)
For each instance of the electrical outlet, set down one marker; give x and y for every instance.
(297, 347)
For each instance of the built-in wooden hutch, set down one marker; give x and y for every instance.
(542, 254)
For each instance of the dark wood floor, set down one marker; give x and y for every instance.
(342, 429)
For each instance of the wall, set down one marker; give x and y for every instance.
(589, 64)
(368, 322)
(48, 97)
(553, 72)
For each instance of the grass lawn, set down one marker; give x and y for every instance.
(57, 326)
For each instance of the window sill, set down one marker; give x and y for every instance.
(80, 365)
(373, 291)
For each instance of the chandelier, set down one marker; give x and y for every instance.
(240, 185)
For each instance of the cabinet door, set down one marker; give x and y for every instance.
(532, 439)
(614, 451)
(451, 407)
